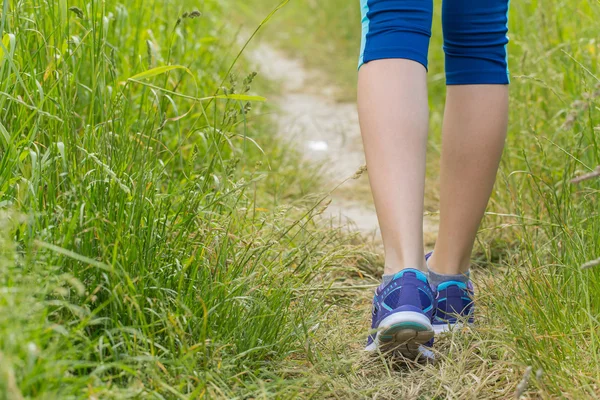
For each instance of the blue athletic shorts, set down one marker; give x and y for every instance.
(474, 36)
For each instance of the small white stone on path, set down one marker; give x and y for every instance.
(317, 145)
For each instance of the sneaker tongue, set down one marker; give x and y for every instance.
(454, 291)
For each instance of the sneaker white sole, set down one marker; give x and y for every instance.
(405, 332)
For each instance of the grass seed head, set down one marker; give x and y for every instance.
(78, 11)
(580, 105)
(149, 52)
(570, 120)
(324, 207)
(359, 171)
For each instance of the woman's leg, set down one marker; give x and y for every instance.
(393, 110)
(392, 104)
(473, 136)
(475, 123)
(474, 131)
(394, 113)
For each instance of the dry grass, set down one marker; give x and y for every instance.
(469, 363)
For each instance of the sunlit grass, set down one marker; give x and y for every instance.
(145, 249)
(155, 241)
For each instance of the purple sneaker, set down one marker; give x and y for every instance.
(454, 304)
(402, 316)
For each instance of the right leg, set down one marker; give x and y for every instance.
(392, 100)
(394, 113)
(393, 110)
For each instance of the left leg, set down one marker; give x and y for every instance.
(475, 124)
(474, 131)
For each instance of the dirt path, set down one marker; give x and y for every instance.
(325, 131)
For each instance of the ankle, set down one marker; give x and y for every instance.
(435, 279)
(394, 265)
(447, 265)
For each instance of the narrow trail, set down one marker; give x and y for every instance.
(325, 132)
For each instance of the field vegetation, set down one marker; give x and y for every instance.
(155, 238)
(158, 241)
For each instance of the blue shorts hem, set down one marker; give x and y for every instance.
(392, 53)
(477, 78)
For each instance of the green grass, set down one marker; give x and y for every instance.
(155, 240)
(537, 306)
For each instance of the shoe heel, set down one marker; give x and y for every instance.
(407, 334)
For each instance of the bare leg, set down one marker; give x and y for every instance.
(474, 131)
(394, 113)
